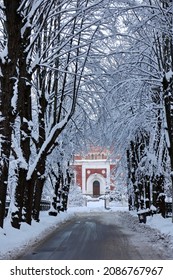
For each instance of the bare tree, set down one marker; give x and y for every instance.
(52, 42)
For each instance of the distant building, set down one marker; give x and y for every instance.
(93, 171)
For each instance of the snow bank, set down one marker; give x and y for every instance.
(14, 242)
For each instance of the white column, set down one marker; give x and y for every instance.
(83, 178)
(108, 173)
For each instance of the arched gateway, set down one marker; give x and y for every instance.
(95, 184)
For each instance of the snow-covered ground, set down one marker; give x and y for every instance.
(13, 241)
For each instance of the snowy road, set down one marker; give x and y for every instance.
(103, 236)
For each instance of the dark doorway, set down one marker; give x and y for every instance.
(96, 188)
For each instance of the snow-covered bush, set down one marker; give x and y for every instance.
(75, 197)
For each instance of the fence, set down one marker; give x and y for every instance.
(44, 206)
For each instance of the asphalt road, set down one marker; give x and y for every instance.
(93, 237)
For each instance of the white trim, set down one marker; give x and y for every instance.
(90, 181)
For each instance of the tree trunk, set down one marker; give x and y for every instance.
(56, 203)
(23, 189)
(167, 45)
(8, 81)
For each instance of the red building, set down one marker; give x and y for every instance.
(93, 171)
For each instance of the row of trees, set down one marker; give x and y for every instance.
(140, 99)
(45, 67)
(150, 164)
